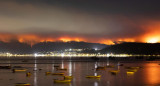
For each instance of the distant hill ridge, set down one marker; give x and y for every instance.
(24, 48)
(133, 48)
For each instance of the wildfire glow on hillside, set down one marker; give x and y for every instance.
(33, 39)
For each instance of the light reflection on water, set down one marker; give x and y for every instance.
(148, 75)
(153, 74)
(95, 83)
(70, 68)
(95, 73)
(35, 73)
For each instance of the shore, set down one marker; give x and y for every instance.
(94, 58)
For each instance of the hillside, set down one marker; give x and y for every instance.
(133, 48)
(24, 48)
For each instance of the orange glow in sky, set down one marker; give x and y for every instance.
(152, 37)
(153, 40)
(33, 39)
(108, 42)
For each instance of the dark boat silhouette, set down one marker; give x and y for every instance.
(95, 58)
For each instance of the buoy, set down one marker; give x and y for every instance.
(28, 74)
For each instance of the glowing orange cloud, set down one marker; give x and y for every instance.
(152, 35)
(33, 39)
(6, 37)
(108, 42)
(67, 39)
(154, 38)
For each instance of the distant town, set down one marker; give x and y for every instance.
(79, 49)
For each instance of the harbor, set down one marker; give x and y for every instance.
(77, 73)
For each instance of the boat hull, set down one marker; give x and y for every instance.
(57, 73)
(62, 81)
(23, 84)
(99, 76)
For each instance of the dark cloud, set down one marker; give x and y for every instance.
(108, 19)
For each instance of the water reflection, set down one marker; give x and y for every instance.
(107, 61)
(95, 66)
(148, 75)
(118, 65)
(52, 68)
(95, 83)
(35, 72)
(152, 73)
(70, 68)
(62, 65)
(108, 83)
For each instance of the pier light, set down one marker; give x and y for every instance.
(62, 54)
(35, 54)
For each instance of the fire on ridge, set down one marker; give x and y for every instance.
(33, 39)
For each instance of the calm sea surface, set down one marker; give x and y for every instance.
(147, 75)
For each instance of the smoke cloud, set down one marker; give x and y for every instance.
(102, 21)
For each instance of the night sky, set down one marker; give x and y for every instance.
(100, 21)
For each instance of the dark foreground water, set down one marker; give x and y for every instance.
(147, 75)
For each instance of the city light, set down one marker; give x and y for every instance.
(35, 54)
(96, 49)
(153, 40)
(72, 54)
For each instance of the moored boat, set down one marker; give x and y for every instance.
(57, 73)
(28, 74)
(48, 73)
(62, 81)
(24, 60)
(23, 84)
(5, 67)
(100, 68)
(62, 69)
(120, 64)
(17, 67)
(95, 58)
(110, 66)
(19, 70)
(114, 72)
(132, 67)
(98, 76)
(56, 66)
(130, 73)
(68, 77)
(132, 70)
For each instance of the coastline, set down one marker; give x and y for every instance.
(94, 58)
